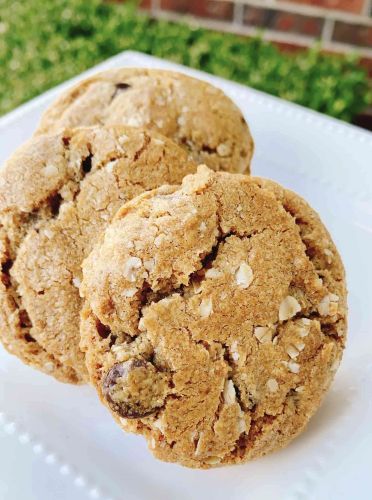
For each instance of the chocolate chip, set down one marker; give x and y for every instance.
(113, 339)
(28, 338)
(144, 293)
(135, 389)
(311, 252)
(86, 164)
(330, 330)
(24, 319)
(299, 220)
(103, 330)
(120, 87)
(55, 201)
(207, 149)
(5, 268)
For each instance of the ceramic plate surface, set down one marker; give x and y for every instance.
(57, 442)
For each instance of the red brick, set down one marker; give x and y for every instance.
(354, 6)
(145, 4)
(283, 21)
(354, 34)
(211, 9)
(366, 62)
(181, 6)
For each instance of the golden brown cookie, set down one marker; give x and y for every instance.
(196, 115)
(215, 317)
(57, 193)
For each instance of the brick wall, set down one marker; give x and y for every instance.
(341, 25)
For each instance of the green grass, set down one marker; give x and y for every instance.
(44, 43)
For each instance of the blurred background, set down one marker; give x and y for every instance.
(317, 53)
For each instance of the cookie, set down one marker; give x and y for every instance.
(57, 193)
(196, 115)
(215, 317)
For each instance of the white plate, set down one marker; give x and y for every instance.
(58, 442)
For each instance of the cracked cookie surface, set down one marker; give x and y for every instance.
(57, 193)
(229, 297)
(193, 113)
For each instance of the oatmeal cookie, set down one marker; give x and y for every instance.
(57, 193)
(195, 114)
(215, 317)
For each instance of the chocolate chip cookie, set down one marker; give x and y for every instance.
(196, 115)
(57, 193)
(215, 317)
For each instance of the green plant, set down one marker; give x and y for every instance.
(43, 43)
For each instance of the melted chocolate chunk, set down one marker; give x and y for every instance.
(5, 276)
(29, 338)
(86, 164)
(135, 388)
(55, 201)
(103, 330)
(120, 87)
